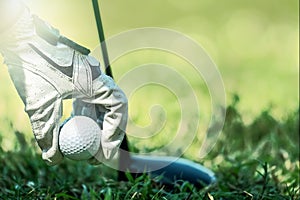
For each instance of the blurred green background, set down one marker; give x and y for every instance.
(253, 43)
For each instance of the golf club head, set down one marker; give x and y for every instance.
(171, 169)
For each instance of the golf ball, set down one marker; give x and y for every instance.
(79, 138)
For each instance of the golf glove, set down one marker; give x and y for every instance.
(47, 68)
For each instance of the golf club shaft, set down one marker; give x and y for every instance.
(108, 70)
(124, 157)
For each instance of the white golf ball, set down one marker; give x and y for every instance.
(79, 138)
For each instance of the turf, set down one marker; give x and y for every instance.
(259, 160)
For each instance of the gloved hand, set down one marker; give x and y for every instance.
(45, 71)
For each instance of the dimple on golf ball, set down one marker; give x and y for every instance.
(79, 138)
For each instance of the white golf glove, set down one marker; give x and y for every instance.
(47, 68)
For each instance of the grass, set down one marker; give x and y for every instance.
(259, 160)
(250, 41)
(254, 45)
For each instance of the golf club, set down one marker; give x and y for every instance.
(171, 169)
